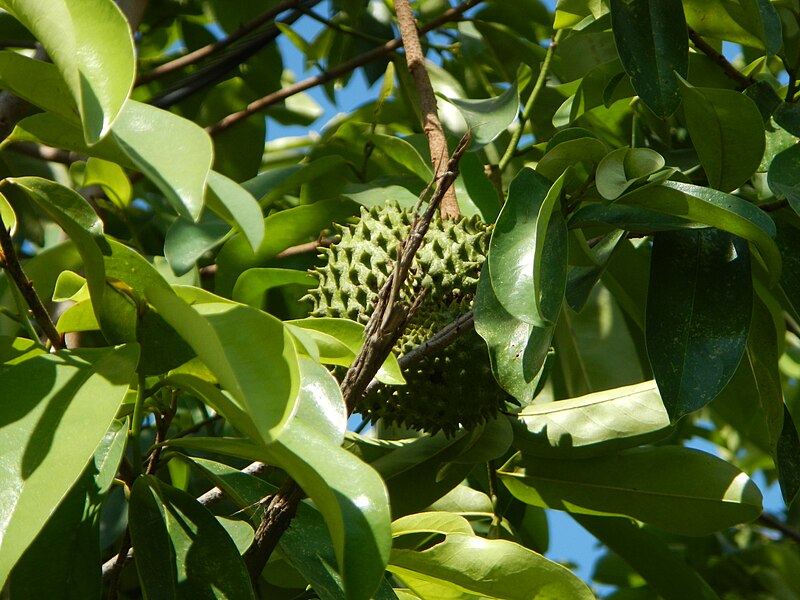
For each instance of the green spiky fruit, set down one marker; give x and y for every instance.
(453, 387)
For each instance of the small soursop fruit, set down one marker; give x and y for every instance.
(443, 391)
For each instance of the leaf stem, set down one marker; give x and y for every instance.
(525, 113)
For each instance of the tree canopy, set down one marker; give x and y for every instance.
(585, 214)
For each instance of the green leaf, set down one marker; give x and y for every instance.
(517, 349)
(281, 230)
(593, 425)
(236, 206)
(694, 347)
(144, 138)
(70, 541)
(488, 118)
(728, 133)
(186, 241)
(253, 284)
(741, 22)
(680, 490)
(63, 406)
(558, 159)
(629, 218)
(207, 562)
(216, 331)
(595, 349)
(28, 78)
(663, 570)
(97, 64)
(653, 44)
(402, 152)
(351, 335)
(622, 168)
(496, 569)
(717, 209)
(787, 462)
(530, 221)
(581, 280)
(782, 176)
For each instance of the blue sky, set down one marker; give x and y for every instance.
(569, 543)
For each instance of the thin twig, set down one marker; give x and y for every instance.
(10, 263)
(732, 72)
(206, 51)
(43, 152)
(431, 125)
(333, 73)
(525, 113)
(767, 520)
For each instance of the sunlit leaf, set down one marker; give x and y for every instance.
(683, 491)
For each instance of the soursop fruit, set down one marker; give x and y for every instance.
(443, 391)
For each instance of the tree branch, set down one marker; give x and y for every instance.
(732, 72)
(11, 265)
(211, 49)
(335, 72)
(431, 124)
(767, 520)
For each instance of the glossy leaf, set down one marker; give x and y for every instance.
(592, 425)
(783, 176)
(665, 572)
(496, 569)
(27, 77)
(488, 118)
(517, 256)
(717, 209)
(738, 22)
(215, 332)
(283, 229)
(253, 284)
(694, 351)
(402, 152)
(517, 350)
(63, 406)
(186, 242)
(97, 64)
(728, 133)
(559, 158)
(70, 541)
(351, 335)
(653, 45)
(630, 218)
(683, 491)
(144, 138)
(620, 169)
(787, 461)
(581, 280)
(236, 206)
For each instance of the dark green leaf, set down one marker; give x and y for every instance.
(653, 45)
(153, 551)
(665, 571)
(788, 460)
(717, 209)
(622, 168)
(694, 347)
(728, 133)
(529, 222)
(783, 176)
(517, 350)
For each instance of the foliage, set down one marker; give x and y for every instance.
(640, 299)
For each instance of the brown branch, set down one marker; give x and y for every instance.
(331, 74)
(206, 51)
(47, 153)
(385, 326)
(732, 72)
(10, 263)
(767, 520)
(431, 124)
